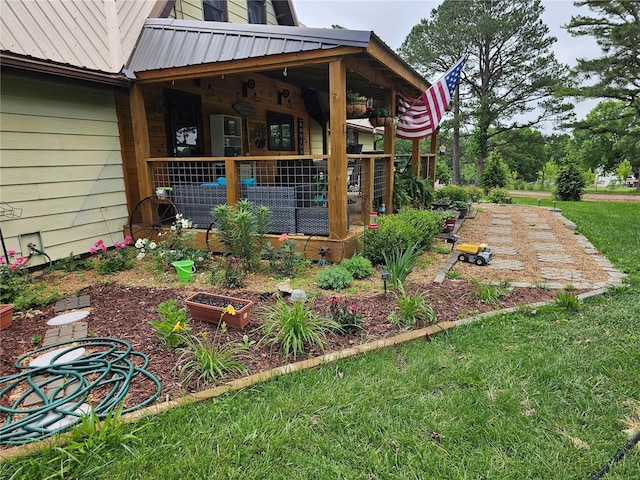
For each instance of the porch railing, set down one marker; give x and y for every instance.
(295, 188)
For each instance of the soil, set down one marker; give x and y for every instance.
(122, 311)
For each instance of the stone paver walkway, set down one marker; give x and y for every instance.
(534, 246)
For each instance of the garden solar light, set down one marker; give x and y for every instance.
(385, 277)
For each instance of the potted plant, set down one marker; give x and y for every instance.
(449, 222)
(211, 308)
(378, 116)
(356, 105)
(6, 315)
(462, 207)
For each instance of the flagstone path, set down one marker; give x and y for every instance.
(534, 247)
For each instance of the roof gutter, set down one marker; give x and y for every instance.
(39, 66)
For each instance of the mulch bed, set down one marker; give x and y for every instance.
(123, 312)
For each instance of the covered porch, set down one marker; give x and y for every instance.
(259, 113)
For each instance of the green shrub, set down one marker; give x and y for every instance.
(409, 227)
(335, 277)
(571, 183)
(286, 260)
(475, 193)
(294, 327)
(499, 195)
(455, 193)
(358, 266)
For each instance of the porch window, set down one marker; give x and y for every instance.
(257, 11)
(215, 10)
(280, 127)
(184, 124)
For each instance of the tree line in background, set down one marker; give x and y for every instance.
(512, 84)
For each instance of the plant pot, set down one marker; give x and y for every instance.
(463, 212)
(208, 308)
(449, 225)
(356, 110)
(440, 205)
(378, 121)
(6, 316)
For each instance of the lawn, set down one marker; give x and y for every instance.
(544, 393)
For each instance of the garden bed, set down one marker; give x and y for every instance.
(123, 311)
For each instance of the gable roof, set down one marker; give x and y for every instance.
(167, 43)
(90, 35)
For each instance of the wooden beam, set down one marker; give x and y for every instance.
(389, 148)
(337, 167)
(415, 156)
(142, 149)
(387, 57)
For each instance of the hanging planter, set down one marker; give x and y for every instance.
(356, 105)
(208, 307)
(378, 116)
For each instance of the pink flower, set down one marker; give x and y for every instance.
(11, 252)
(283, 237)
(19, 260)
(93, 250)
(103, 247)
(2, 260)
(117, 244)
(13, 266)
(128, 240)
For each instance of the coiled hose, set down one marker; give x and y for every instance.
(103, 375)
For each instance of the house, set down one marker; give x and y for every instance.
(105, 103)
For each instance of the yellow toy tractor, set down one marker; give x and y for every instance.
(477, 253)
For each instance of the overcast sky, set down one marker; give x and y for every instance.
(392, 21)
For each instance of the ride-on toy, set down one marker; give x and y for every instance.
(477, 253)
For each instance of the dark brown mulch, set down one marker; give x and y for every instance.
(124, 312)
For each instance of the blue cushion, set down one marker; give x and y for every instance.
(222, 181)
(209, 184)
(250, 182)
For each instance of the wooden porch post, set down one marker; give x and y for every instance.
(142, 148)
(231, 172)
(415, 156)
(389, 148)
(337, 167)
(432, 160)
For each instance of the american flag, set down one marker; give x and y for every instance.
(419, 117)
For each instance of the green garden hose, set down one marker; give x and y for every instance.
(106, 370)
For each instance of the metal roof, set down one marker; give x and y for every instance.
(167, 43)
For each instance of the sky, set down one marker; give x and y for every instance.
(392, 21)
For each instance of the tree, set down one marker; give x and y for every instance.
(495, 174)
(623, 170)
(616, 28)
(523, 151)
(571, 182)
(615, 25)
(608, 135)
(510, 73)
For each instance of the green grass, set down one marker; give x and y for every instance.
(532, 395)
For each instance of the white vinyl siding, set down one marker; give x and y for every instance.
(61, 164)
